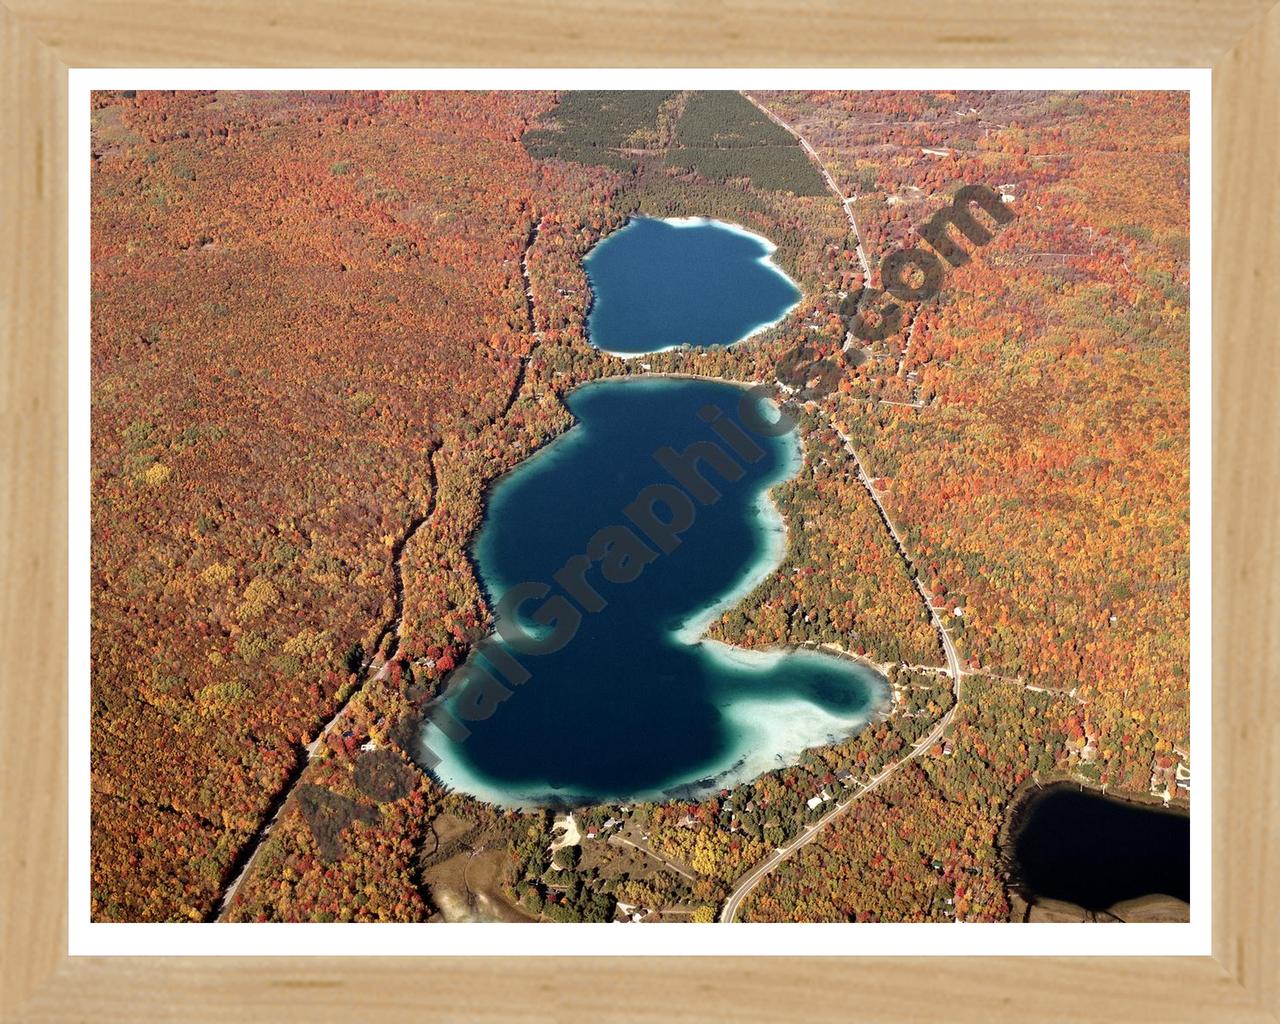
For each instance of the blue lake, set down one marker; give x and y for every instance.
(634, 705)
(656, 284)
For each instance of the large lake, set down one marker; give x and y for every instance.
(656, 284)
(635, 705)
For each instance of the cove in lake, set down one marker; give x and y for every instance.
(656, 284)
(635, 706)
(1095, 851)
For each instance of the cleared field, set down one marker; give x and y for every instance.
(468, 887)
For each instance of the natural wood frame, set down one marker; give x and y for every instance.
(1240, 39)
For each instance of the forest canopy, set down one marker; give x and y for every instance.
(324, 323)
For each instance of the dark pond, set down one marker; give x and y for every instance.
(1095, 851)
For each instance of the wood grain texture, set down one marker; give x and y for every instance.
(33, 523)
(1246, 432)
(39, 39)
(648, 33)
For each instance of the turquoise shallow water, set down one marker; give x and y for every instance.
(656, 284)
(634, 705)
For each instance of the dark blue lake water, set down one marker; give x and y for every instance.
(633, 706)
(656, 284)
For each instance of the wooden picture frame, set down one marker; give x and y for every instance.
(41, 40)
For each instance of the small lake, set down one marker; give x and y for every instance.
(656, 284)
(635, 705)
(1096, 851)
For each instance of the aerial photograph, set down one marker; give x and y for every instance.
(640, 506)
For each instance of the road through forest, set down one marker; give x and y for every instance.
(753, 877)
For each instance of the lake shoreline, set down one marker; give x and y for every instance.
(764, 260)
